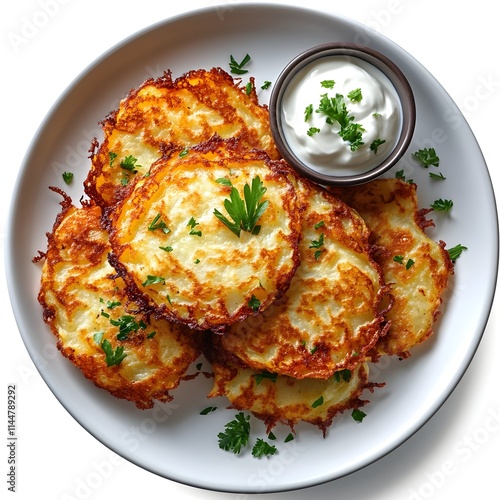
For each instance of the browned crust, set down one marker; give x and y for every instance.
(209, 93)
(223, 149)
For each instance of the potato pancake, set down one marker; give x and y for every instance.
(329, 318)
(282, 399)
(113, 343)
(173, 250)
(416, 267)
(184, 112)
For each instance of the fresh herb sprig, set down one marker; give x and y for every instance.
(236, 434)
(244, 212)
(336, 111)
(427, 157)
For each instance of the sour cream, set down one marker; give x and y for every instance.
(318, 143)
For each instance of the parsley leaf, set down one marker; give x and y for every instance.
(335, 110)
(263, 449)
(237, 67)
(153, 280)
(244, 213)
(318, 244)
(308, 112)
(358, 415)
(355, 95)
(158, 223)
(375, 144)
(259, 377)
(236, 434)
(127, 324)
(208, 409)
(318, 402)
(192, 224)
(254, 303)
(442, 205)
(129, 163)
(456, 251)
(344, 375)
(438, 177)
(112, 157)
(113, 357)
(427, 157)
(67, 177)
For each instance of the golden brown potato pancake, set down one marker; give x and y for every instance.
(96, 325)
(184, 112)
(416, 267)
(176, 254)
(330, 316)
(282, 399)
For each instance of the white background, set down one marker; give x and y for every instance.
(454, 456)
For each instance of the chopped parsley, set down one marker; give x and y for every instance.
(427, 157)
(318, 402)
(265, 375)
(112, 157)
(254, 303)
(358, 415)
(127, 324)
(400, 260)
(244, 212)
(192, 224)
(400, 174)
(236, 434)
(237, 67)
(456, 251)
(313, 130)
(308, 112)
(375, 144)
(153, 280)
(442, 205)
(113, 356)
(208, 409)
(158, 223)
(130, 163)
(318, 244)
(344, 375)
(355, 95)
(263, 449)
(328, 84)
(335, 110)
(67, 177)
(438, 177)
(266, 85)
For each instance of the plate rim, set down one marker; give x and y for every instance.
(162, 24)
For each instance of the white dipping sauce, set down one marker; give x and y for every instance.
(378, 112)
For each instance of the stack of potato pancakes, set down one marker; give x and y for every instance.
(196, 238)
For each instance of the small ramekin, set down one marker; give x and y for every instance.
(348, 50)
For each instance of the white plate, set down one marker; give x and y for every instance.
(173, 440)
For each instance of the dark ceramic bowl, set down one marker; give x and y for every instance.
(347, 50)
